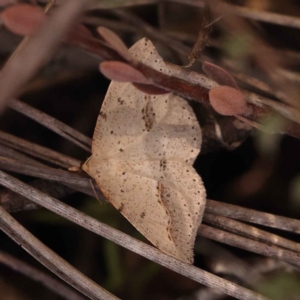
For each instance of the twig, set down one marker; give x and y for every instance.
(38, 151)
(39, 276)
(126, 241)
(51, 123)
(44, 172)
(264, 16)
(10, 153)
(50, 259)
(252, 246)
(252, 216)
(13, 202)
(246, 12)
(18, 71)
(250, 232)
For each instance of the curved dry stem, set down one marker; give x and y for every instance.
(246, 244)
(37, 275)
(250, 232)
(252, 216)
(50, 259)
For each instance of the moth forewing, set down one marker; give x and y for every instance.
(142, 155)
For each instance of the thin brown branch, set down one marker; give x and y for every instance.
(252, 216)
(38, 151)
(19, 70)
(250, 232)
(37, 275)
(189, 84)
(51, 123)
(126, 241)
(249, 245)
(50, 259)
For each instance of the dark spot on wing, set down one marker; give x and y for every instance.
(148, 115)
(162, 164)
(121, 101)
(103, 115)
(120, 209)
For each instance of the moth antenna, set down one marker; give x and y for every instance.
(94, 191)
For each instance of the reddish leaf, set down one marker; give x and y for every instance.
(219, 75)
(23, 19)
(114, 41)
(227, 101)
(122, 72)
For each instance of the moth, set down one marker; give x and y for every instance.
(143, 151)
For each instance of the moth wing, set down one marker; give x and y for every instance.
(144, 125)
(127, 114)
(183, 195)
(175, 135)
(143, 148)
(138, 198)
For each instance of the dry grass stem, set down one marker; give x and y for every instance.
(80, 180)
(246, 12)
(18, 71)
(10, 153)
(252, 216)
(38, 151)
(51, 123)
(13, 202)
(249, 245)
(35, 274)
(50, 259)
(250, 232)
